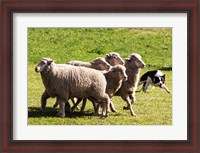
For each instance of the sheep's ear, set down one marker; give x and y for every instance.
(108, 55)
(128, 59)
(49, 62)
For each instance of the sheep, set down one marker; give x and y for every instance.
(133, 63)
(98, 64)
(66, 81)
(114, 79)
(114, 58)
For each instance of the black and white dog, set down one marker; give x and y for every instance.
(154, 78)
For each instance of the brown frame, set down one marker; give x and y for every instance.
(8, 7)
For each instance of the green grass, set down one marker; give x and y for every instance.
(65, 44)
(85, 44)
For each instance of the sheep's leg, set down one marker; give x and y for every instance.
(132, 97)
(61, 112)
(67, 107)
(96, 108)
(83, 105)
(112, 106)
(129, 105)
(95, 105)
(76, 104)
(106, 106)
(44, 98)
(56, 104)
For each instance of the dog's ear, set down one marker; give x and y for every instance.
(164, 76)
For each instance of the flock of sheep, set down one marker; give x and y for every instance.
(97, 81)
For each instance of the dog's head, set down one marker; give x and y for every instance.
(159, 80)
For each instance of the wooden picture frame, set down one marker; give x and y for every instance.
(8, 7)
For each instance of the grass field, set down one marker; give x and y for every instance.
(85, 44)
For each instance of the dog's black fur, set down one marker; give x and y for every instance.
(154, 78)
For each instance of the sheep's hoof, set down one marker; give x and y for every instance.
(102, 117)
(115, 111)
(69, 111)
(54, 106)
(126, 108)
(60, 114)
(42, 110)
(96, 114)
(133, 114)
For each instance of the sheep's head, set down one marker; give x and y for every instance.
(114, 58)
(120, 70)
(44, 64)
(135, 60)
(100, 64)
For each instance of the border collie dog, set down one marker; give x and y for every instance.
(154, 78)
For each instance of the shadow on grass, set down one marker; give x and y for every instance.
(35, 112)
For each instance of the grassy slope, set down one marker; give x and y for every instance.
(152, 108)
(64, 45)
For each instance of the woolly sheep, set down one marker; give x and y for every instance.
(98, 63)
(127, 91)
(66, 81)
(114, 79)
(114, 58)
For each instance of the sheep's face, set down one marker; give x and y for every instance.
(136, 61)
(101, 64)
(114, 59)
(44, 64)
(120, 71)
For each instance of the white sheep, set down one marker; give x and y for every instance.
(98, 63)
(114, 58)
(114, 78)
(127, 91)
(66, 81)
